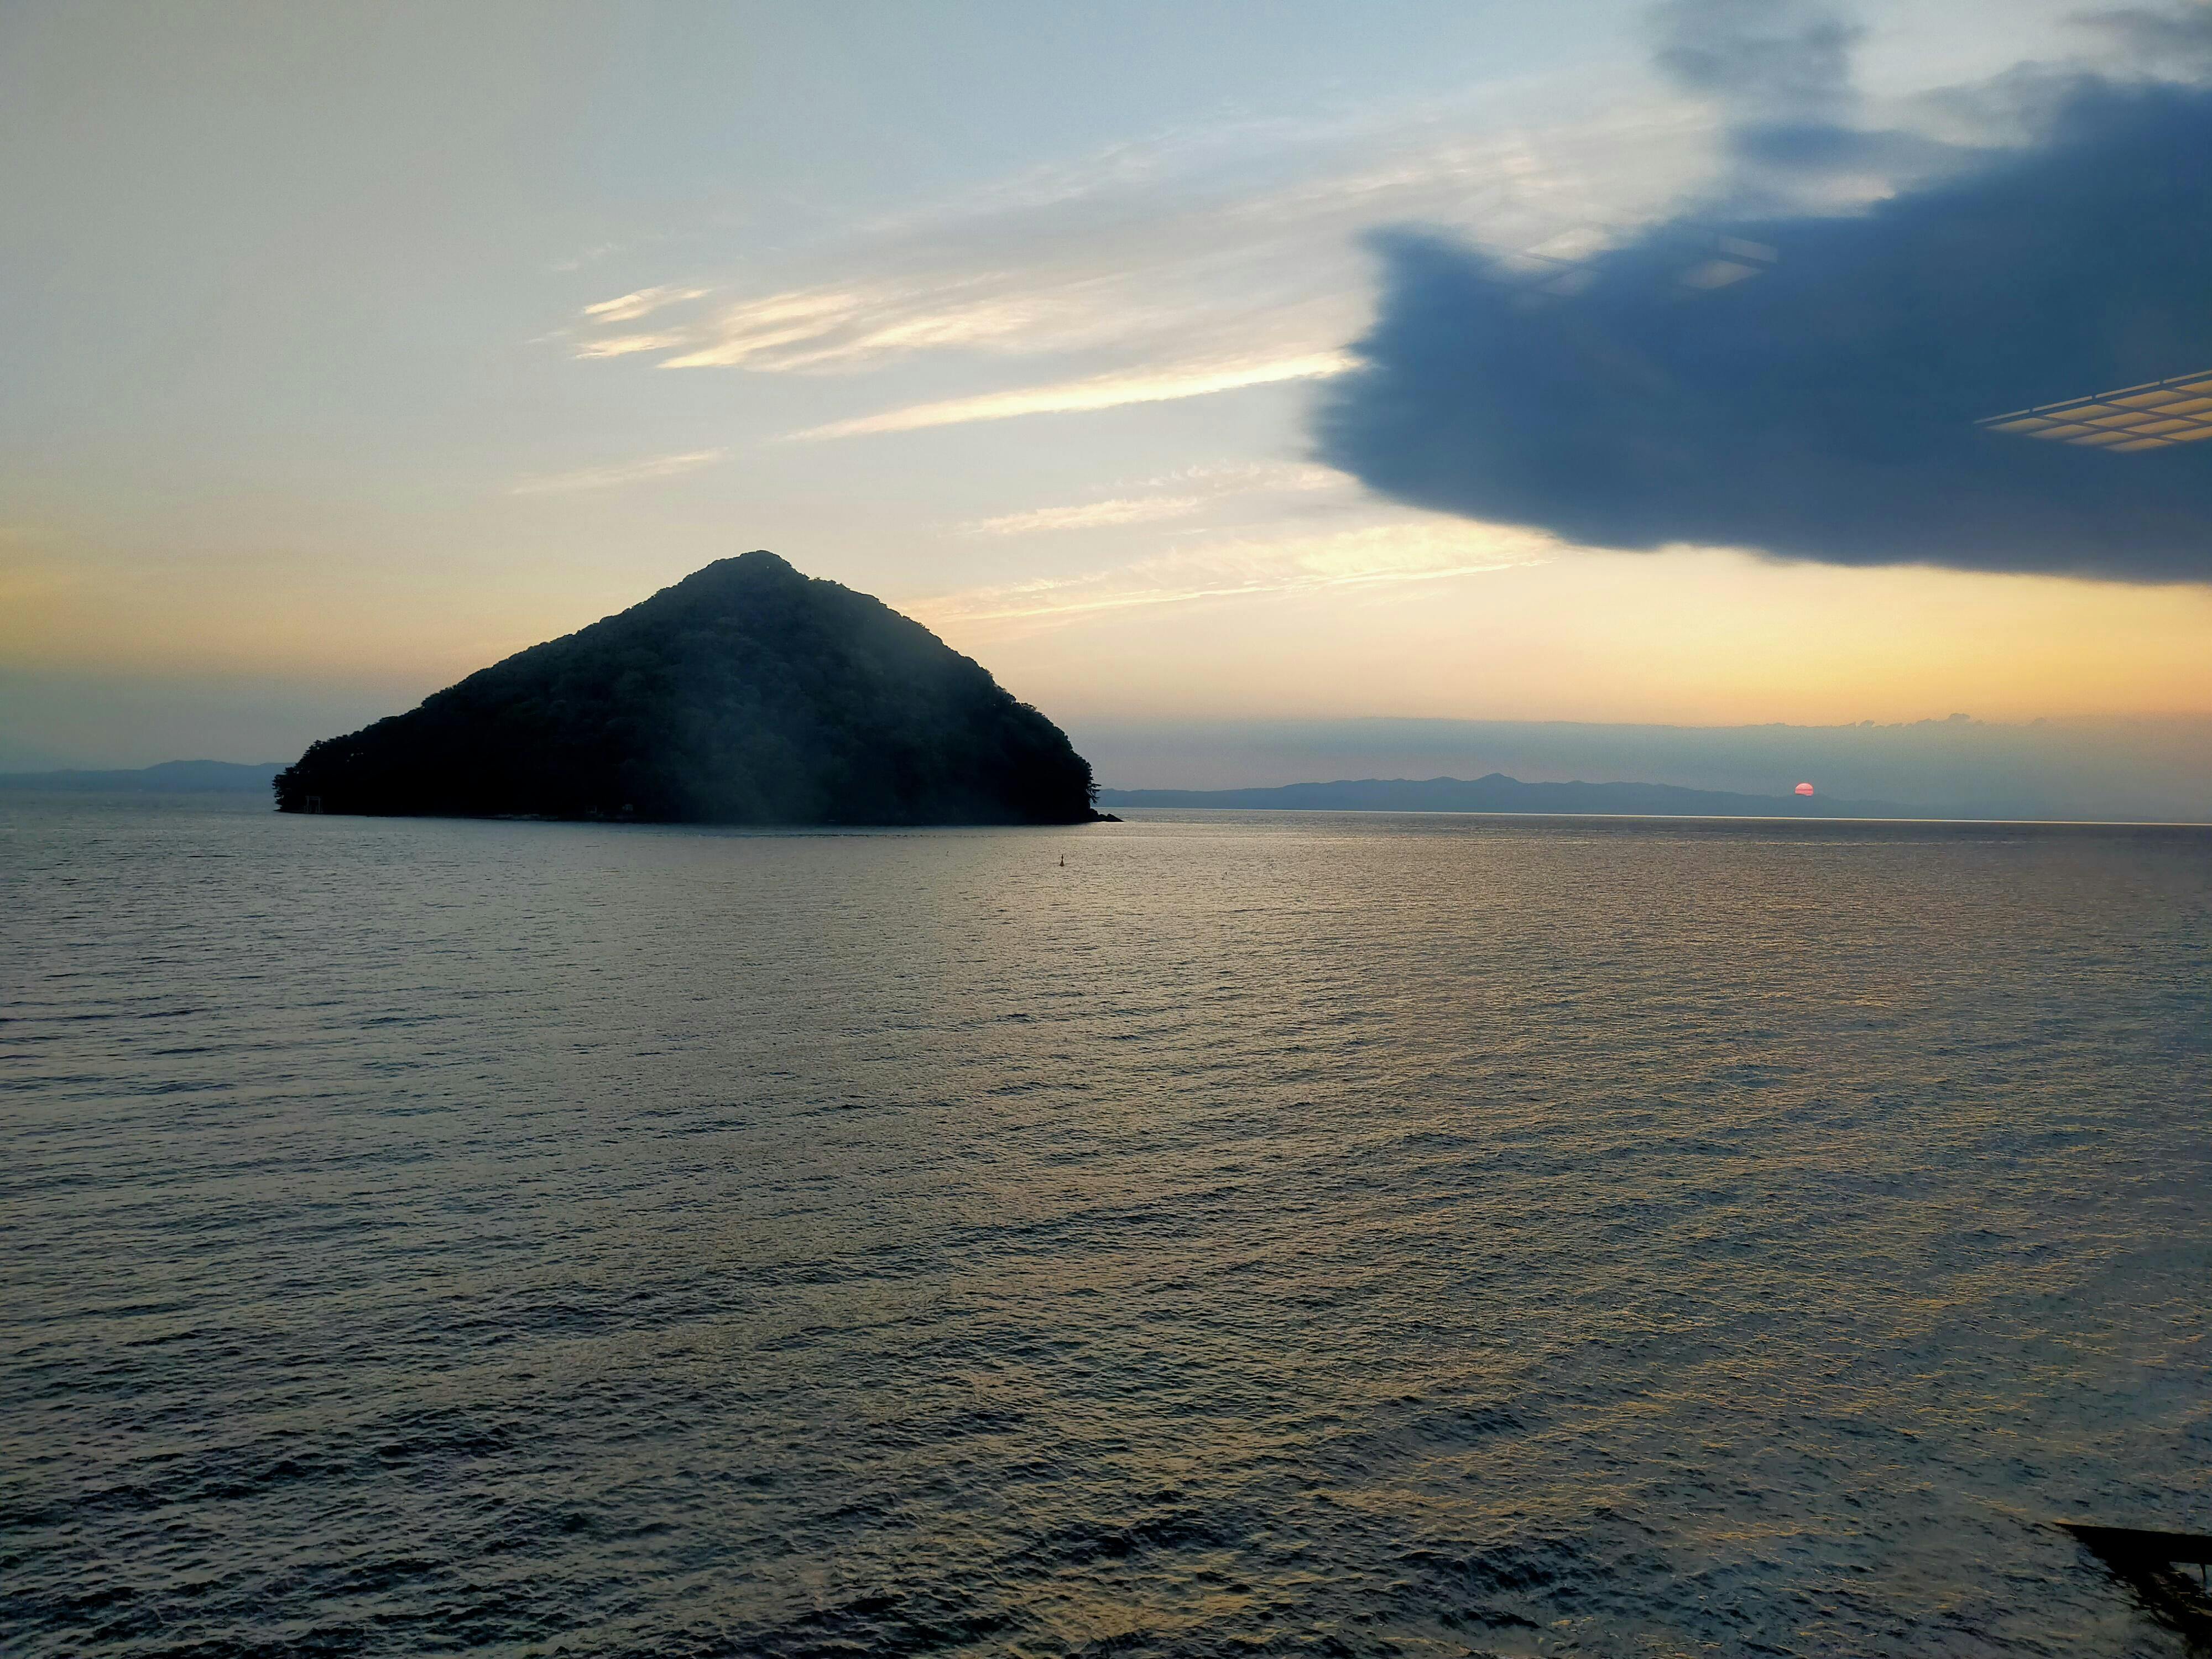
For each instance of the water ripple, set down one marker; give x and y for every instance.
(1271, 1234)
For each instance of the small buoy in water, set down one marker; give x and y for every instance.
(1804, 788)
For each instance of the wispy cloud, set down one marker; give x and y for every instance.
(626, 345)
(1193, 488)
(614, 477)
(577, 261)
(1248, 567)
(1101, 391)
(838, 329)
(1088, 515)
(1198, 263)
(1247, 477)
(628, 307)
(1153, 270)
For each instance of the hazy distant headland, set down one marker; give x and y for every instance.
(747, 693)
(1499, 794)
(182, 777)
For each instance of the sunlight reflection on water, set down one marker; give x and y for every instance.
(1298, 1232)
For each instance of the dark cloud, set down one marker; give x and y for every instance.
(1759, 57)
(1773, 148)
(1779, 72)
(2173, 40)
(1820, 404)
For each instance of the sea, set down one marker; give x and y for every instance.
(1209, 1234)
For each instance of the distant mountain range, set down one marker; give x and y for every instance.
(1495, 794)
(189, 777)
(1499, 794)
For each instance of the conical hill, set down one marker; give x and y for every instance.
(747, 693)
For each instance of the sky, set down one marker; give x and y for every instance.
(1242, 369)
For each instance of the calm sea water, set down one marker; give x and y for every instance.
(1205, 1235)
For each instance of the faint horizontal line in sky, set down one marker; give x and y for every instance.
(628, 307)
(626, 345)
(610, 477)
(1301, 582)
(1103, 392)
(1087, 515)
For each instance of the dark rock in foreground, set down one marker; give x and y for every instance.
(745, 694)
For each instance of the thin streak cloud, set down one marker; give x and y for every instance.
(1214, 251)
(1100, 392)
(613, 477)
(840, 329)
(626, 345)
(628, 307)
(1194, 488)
(1251, 569)
(1087, 515)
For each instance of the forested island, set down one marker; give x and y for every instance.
(747, 693)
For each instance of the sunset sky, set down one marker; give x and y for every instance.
(351, 348)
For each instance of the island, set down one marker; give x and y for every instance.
(745, 694)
